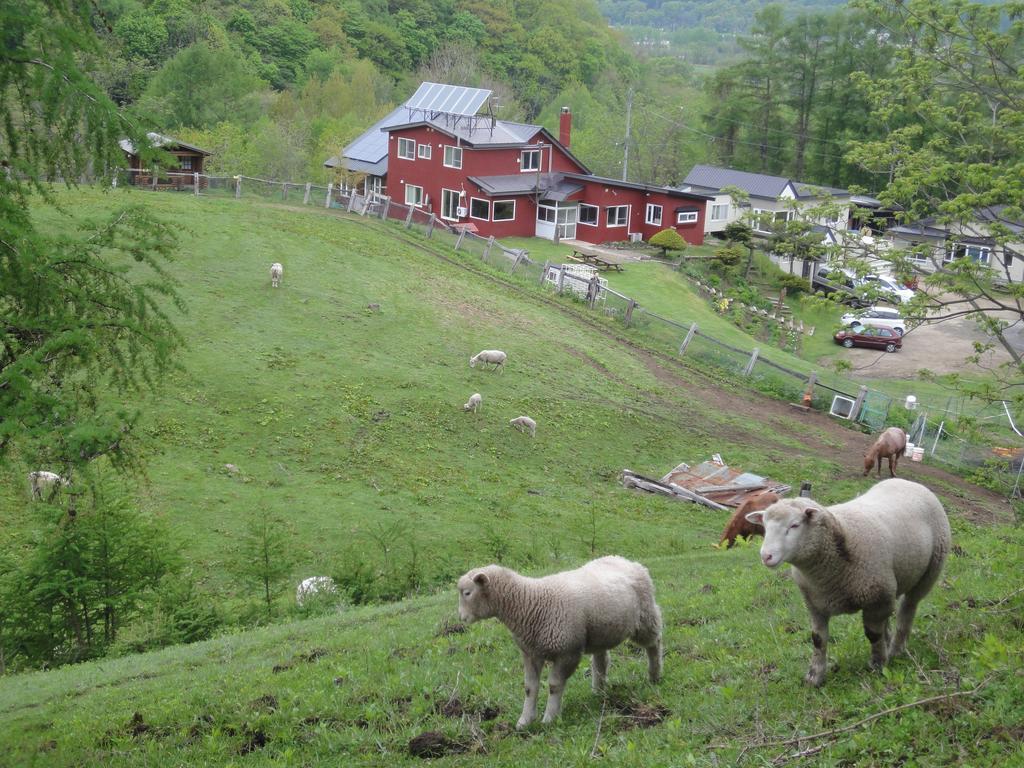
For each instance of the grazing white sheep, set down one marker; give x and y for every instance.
(493, 356)
(314, 586)
(49, 483)
(276, 273)
(475, 403)
(560, 617)
(525, 424)
(861, 555)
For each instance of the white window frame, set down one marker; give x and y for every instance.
(451, 194)
(423, 151)
(454, 151)
(608, 215)
(406, 148)
(523, 167)
(483, 200)
(409, 188)
(722, 211)
(984, 253)
(687, 217)
(494, 213)
(543, 211)
(597, 215)
(649, 214)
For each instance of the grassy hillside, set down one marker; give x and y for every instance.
(347, 424)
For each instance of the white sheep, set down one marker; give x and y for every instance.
(524, 424)
(313, 587)
(50, 482)
(861, 555)
(475, 403)
(560, 617)
(493, 356)
(276, 273)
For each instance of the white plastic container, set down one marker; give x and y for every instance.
(909, 450)
(918, 454)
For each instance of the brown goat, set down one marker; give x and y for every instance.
(890, 444)
(738, 524)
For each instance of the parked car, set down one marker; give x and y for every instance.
(876, 317)
(888, 289)
(876, 338)
(840, 282)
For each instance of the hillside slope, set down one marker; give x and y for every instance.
(347, 424)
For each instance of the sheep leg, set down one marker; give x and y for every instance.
(531, 673)
(819, 657)
(904, 621)
(654, 661)
(561, 670)
(599, 671)
(876, 630)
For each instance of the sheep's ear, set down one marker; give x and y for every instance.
(481, 579)
(809, 514)
(757, 518)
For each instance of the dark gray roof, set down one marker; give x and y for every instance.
(369, 153)
(642, 187)
(480, 132)
(162, 142)
(712, 178)
(524, 183)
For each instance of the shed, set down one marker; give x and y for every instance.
(189, 161)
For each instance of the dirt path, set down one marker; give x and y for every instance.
(842, 445)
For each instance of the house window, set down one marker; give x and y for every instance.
(504, 210)
(617, 215)
(687, 217)
(480, 209)
(450, 201)
(720, 212)
(185, 163)
(530, 160)
(588, 214)
(546, 213)
(976, 253)
(423, 151)
(407, 149)
(413, 195)
(653, 214)
(453, 157)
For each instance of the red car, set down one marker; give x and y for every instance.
(876, 338)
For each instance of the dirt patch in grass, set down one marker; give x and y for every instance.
(431, 744)
(449, 628)
(637, 714)
(252, 740)
(266, 702)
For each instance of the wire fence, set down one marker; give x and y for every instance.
(983, 443)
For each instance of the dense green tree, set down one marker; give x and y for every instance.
(265, 558)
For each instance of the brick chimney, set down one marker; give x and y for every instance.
(564, 127)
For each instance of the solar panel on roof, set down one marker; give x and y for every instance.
(450, 99)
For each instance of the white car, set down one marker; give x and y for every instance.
(888, 289)
(876, 317)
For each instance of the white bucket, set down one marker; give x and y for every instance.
(909, 450)
(918, 454)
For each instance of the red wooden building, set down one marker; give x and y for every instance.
(509, 179)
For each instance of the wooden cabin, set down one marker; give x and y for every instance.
(181, 176)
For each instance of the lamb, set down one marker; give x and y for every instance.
(890, 444)
(314, 586)
(50, 482)
(493, 356)
(276, 273)
(860, 556)
(560, 617)
(738, 524)
(524, 424)
(475, 402)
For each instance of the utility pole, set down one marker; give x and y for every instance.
(629, 124)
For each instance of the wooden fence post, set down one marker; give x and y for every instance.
(689, 337)
(519, 257)
(858, 403)
(327, 200)
(366, 206)
(408, 219)
(238, 186)
(156, 172)
(487, 249)
(351, 200)
(430, 226)
(195, 183)
(750, 363)
(385, 209)
(460, 238)
(561, 279)
(305, 197)
(629, 312)
(544, 272)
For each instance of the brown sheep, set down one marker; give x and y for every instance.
(890, 444)
(739, 525)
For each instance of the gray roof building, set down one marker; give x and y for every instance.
(711, 178)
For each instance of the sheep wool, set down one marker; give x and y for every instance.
(486, 357)
(560, 617)
(862, 555)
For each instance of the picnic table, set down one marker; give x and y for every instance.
(600, 260)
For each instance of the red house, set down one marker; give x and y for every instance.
(510, 179)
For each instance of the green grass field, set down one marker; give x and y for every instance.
(347, 424)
